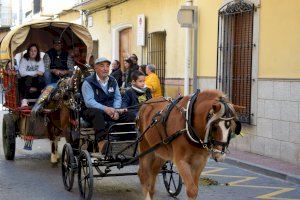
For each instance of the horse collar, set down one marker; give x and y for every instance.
(189, 126)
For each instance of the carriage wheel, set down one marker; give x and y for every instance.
(172, 179)
(68, 166)
(85, 175)
(9, 136)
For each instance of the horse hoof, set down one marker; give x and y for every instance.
(54, 159)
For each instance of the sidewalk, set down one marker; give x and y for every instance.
(264, 165)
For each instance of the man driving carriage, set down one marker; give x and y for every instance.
(58, 62)
(103, 100)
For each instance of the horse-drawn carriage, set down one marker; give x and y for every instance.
(19, 121)
(57, 113)
(121, 150)
(205, 124)
(186, 131)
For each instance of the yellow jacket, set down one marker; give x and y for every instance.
(153, 83)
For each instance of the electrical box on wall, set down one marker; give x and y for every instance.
(108, 16)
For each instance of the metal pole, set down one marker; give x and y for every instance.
(188, 45)
(20, 12)
(195, 58)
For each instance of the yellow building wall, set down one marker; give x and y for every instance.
(279, 50)
(162, 15)
(207, 36)
(101, 31)
(70, 16)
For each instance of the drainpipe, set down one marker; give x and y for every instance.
(188, 53)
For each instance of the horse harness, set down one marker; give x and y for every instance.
(208, 141)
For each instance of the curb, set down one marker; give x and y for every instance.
(263, 170)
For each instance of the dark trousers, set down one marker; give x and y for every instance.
(100, 120)
(27, 82)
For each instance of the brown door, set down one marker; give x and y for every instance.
(125, 45)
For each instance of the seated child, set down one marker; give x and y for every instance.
(137, 93)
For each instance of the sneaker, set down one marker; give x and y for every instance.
(24, 103)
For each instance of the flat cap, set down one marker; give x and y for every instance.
(102, 59)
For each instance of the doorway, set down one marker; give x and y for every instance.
(125, 41)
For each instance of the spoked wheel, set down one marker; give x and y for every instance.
(68, 166)
(85, 175)
(172, 179)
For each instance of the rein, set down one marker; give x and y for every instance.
(145, 102)
(188, 129)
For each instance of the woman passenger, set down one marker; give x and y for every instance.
(31, 70)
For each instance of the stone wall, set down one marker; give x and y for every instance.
(277, 133)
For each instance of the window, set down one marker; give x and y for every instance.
(234, 62)
(156, 54)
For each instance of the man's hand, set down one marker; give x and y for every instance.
(61, 73)
(110, 111)
(116, 116)
(54, 71)
(121, 111)
(39, 73)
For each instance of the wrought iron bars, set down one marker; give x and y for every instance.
(234, 62)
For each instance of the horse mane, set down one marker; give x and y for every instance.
(212, 95)
(215, 96)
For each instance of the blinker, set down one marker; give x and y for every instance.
(238, 127)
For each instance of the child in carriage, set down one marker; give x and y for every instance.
(137, 93)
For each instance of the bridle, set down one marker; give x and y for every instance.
(228, 115)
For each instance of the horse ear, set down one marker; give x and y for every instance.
(216, 107)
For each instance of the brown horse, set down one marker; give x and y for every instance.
(57, 103)
(210, 120)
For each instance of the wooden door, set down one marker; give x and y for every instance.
(125, 45)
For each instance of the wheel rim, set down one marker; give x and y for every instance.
(85, 175)
(68, 162)
(172, 179)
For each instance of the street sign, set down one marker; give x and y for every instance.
(186, 16)
(141, 30)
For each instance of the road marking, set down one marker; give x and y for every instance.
(272, 195)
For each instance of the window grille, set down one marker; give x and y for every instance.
(234, 60)
(156, 54)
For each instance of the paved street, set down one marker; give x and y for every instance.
(31, 176)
